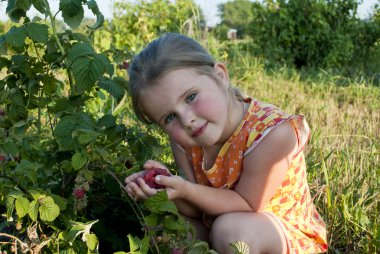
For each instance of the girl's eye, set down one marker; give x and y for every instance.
(191, 97)
(169, 118)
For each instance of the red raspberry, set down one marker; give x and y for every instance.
(176, 250)
(2, 158)
(150, 174)
(79, 193)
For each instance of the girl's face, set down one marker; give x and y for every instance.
(191, 108)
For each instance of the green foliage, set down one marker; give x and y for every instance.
(320, 34)
(139, 22)
(237, 15)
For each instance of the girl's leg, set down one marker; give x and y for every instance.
(260, 231)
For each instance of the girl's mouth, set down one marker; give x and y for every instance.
(199, 131)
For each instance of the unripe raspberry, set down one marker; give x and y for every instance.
(86, 186)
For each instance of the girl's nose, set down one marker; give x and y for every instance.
(188, 119)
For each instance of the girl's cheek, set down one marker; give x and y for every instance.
(175, 132)
(201, 105)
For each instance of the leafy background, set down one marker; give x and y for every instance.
(69, 137)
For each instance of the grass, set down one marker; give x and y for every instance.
(343, 154)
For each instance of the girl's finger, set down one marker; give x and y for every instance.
(148, 191)
(153, 164)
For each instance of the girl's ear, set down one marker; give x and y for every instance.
(221, 71)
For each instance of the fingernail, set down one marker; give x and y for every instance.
(158, 178)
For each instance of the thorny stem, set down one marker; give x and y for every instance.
(133, 206)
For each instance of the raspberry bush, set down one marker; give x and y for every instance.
(68, 139)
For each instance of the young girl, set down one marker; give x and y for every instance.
(243, 159)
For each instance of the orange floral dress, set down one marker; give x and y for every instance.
(292, 205)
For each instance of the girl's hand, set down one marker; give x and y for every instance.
(136, 187)
(176, 186)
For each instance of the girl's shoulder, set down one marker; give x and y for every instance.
(262, 118)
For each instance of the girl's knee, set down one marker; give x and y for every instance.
(223, 233)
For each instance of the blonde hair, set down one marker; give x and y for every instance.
(169, 52)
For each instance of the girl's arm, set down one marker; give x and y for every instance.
(264, 170)
(182, 162)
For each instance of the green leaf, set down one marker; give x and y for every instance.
(159, 203)
(87, 70)
(68, 124)
(16, 9)
(91, 241)
(38, 32)
(29, 169)
(78, 160)
(16, 36)
(3, 45)
(10, 204)
(113, 87)
(134, 243)
(152, 219)
(92, 5)
(76, 229)
(59, 201)
(78, 50)
(33, 210)
(10, 148)
(72, 12)
(171, 222)
(106, 121)
(36, 194)
(41, 6)
(22, 207)
(48, 209)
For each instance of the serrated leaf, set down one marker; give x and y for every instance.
(68, 124)
(152, 219)
(48, 209)
(134, 243)
(59, 201)
(103, 153)
(38, 32)
(159, 203)
(113, 87)
(33, 210)
(91, 241)
(40, 5)
(3, 45)
(29, 169)
(106, 121)
(171, 222)
(78, 160)
(92, 5)
(85, 138)
(87, 70)
(16, 9)
(10, 204)
(36, 194)
(10, 148)
(16, 36)
(78, 50)
(76, 229)
(72, 12)
(22, 206)
(108, 67)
